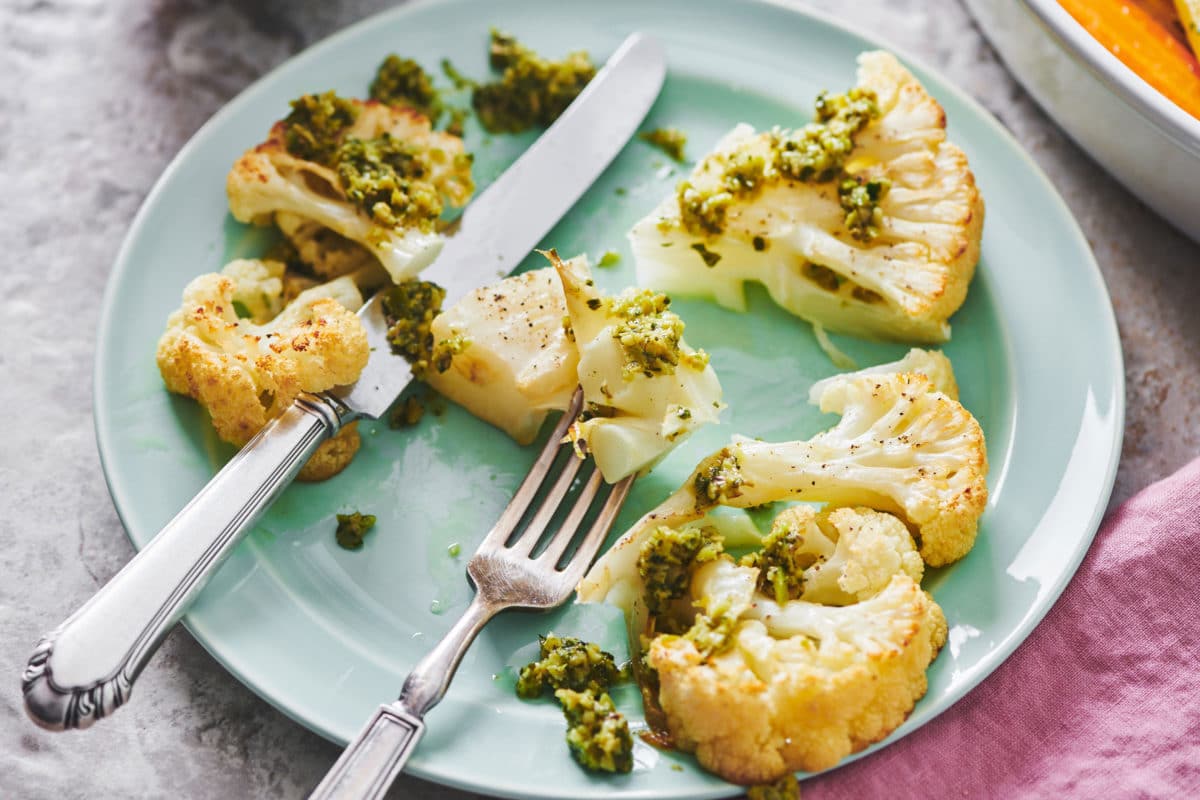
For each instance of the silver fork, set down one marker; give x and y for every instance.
(506, 575)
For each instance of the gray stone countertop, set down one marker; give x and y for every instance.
(96, 97)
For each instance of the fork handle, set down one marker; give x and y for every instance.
(85, 669)
(373, 761)
(370, 763)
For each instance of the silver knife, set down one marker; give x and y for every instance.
(86, 667)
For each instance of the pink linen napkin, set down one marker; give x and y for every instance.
(1101, 701)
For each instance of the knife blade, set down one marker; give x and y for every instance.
(86, 668)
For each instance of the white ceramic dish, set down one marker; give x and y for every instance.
(1146, 141)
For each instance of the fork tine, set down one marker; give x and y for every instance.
(582, 558)
(570, 525)
(519, 504)
(537, 526)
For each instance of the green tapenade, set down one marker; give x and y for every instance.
(786, 788)
(388, 179)
(781, 561)
(402, 82)
(565, 662)
(410, 308)
(719, 477)
(532, 91)
(710, 258)
(352, 528)
(669, 140)
(860, 200)
(314, 127)
(815, 153)
(407, 414)
(667, 559)
(445, 350)
(649, 333)
(818, 151)
(597, 733)
(711, 634)
(579, 675)
(703, 212)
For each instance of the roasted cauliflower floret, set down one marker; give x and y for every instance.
(257, 288)
(244, 373)
(866, 221)
(520, 365)
(933, 364)
(815, 644)
(644, 388)
(759, 685)
(373, 174)
(802, 685)
(834, 557)
(900, 447)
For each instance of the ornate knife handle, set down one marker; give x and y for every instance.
(85, 669)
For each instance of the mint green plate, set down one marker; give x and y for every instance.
(325, 634)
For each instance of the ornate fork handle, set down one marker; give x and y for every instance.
(506, 575)
(371, 763)
(85, 669)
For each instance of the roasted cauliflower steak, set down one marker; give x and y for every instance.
(870, 228)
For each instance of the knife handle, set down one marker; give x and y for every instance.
(85, 668)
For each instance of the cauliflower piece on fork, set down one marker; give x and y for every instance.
(531, 338)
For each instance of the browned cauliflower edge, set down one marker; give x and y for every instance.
(243, 373)
(768, 706)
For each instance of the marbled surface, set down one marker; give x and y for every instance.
(96, 97)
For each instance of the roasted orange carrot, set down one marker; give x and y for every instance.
(1145, 46)
(1164, 13)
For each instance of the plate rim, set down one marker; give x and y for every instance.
(1106, 316)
